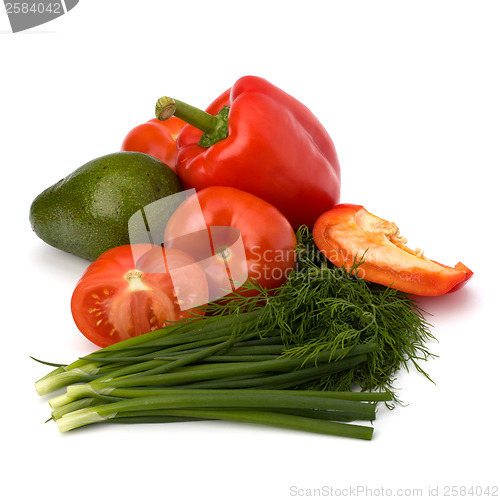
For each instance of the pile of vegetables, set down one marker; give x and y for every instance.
(257, 299)
(290, 357)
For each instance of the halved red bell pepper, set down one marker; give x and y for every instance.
(155, 138)
(263, 141)
(349, 233)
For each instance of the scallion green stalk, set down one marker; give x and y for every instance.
(239, 404)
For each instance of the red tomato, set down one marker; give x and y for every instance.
(349, 232)
(129, 290)
(155, 138)
(265, 253)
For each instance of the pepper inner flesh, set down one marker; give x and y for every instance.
(381, 228)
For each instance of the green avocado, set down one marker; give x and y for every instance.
(88, 212)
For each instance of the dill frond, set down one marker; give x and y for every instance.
(322, 307)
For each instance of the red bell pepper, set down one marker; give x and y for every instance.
(349, 233)
(155, 138)
(257, 138)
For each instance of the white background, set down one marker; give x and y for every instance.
(409, 93)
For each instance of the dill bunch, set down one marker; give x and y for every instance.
(322, 308)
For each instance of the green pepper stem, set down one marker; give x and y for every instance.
(167, 107)
(214, 128)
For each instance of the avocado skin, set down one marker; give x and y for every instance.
(87, 212)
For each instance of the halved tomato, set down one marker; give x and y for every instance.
(134, 289)
(349, 233)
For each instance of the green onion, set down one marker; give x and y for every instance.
(252, 406)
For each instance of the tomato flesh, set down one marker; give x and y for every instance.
(348, 233)
(129, 291)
